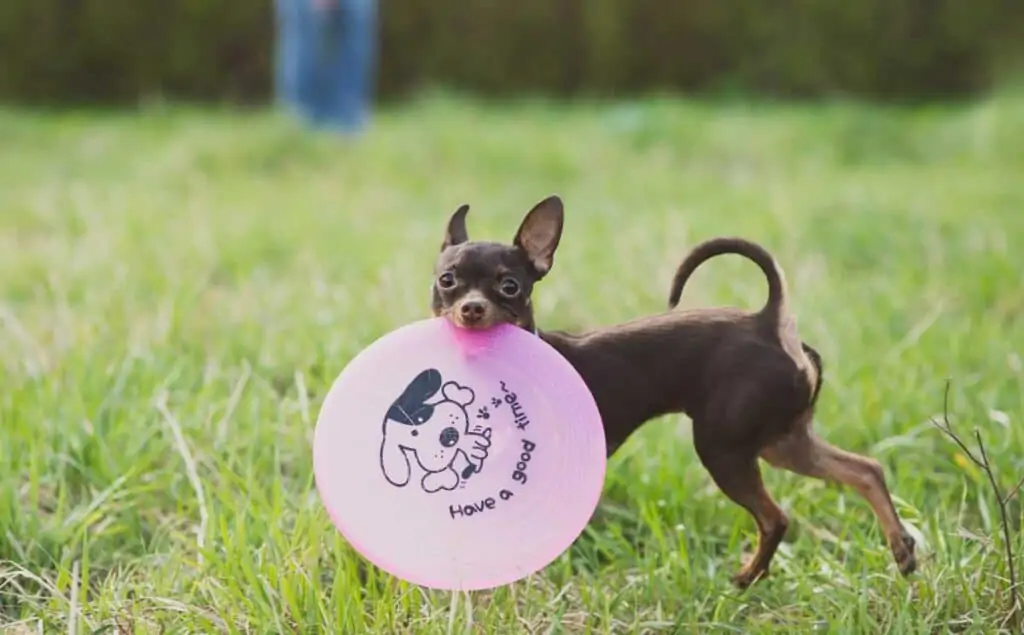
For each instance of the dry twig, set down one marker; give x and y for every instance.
(981, 460)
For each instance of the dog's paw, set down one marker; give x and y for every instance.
(437, 481)
(481, 443)
(748, 575)
(903, 553)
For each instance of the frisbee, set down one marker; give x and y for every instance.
(457, 459)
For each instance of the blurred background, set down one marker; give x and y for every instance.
(183, 274)
(60, 52)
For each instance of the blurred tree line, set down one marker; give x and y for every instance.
(113, 51)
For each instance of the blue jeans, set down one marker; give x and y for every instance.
(325, 60)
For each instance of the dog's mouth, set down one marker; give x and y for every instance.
(481, 324)
(478, 320)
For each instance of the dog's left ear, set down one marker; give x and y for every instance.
(456, 232)
(540, 232)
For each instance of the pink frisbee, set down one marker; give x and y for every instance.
(459, 460)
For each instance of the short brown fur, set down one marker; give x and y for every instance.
(745, 379)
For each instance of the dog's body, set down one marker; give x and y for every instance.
(746, 380)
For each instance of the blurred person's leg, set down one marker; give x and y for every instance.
(346, 72)
(295, 61)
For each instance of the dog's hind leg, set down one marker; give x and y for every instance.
(736, 472)
(806, 454)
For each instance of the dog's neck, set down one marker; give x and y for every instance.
(621, 379)
(530, 327)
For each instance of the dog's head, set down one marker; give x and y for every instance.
(431, 430)
(480, 284)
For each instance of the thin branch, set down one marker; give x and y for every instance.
(1014, 595)
(1013, 492)
(945, 427)
(983, 463)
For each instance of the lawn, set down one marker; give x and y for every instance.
(179, 287)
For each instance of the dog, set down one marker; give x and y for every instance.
(745, 379)
(436, 432)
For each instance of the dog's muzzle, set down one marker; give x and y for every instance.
(474, 313)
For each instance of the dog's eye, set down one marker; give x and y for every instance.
(446, 280)
(509, 287)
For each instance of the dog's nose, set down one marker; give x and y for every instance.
(472, 311)
(448, 437)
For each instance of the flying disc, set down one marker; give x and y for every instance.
(457, 459)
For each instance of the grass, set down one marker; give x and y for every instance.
(209, 273)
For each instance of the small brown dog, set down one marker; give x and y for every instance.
(746, 380)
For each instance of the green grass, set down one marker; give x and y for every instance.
(228, 266)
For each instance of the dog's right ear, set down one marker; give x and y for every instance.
(540, 232)
(456, 232)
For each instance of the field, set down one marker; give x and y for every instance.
(179, 287)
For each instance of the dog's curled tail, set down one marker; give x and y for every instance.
(774, 317)
(774, 309)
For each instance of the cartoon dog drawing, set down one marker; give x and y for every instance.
(435, 432)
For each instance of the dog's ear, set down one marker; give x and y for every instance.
(393, 460)
(422, 387)
(540, 232)
(456, 232)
